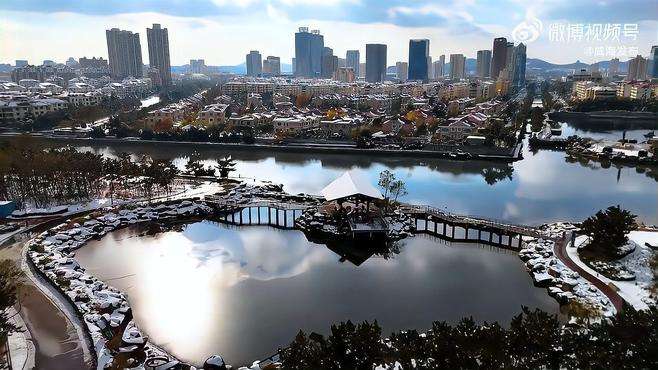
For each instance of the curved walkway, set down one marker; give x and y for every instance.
(560, 251)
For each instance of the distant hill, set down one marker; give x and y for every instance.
(538, 65)
(547, 66)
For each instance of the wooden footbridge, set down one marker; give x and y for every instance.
(429, 220)
(459, 228)
(260, 212)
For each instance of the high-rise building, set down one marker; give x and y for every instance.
(294, 65)
(254, 63)
(401, 70)
(272, 66)
(613, 67)
(499, 56)
(518, 79)
(509, 60)
(197, 66)
(21, 63)
(430, 70)
(637, 69)
(329, 63)
(49, 63)
(440, 67)
(308, 53)
(484, 63)
(124, 53)
(362, 70)
(419, 50)
(457, 66)
(654, 61)
(375, 62)
(437, 69)
(353, 60)
(158, 43)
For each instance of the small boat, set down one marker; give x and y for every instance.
(649, 135)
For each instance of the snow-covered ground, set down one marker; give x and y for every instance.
(21, 346)
(561, 282)
(184, 191)
(638, 291)
(630, 150)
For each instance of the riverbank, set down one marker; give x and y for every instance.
(456, 153)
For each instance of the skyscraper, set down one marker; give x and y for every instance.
(518, 79)
(308, 53)
(124, 53)
(437, 69)
(637, 69)
(430, 71)
(158, 43)
(375, 62)
(440, 67)
(654, 61)
(272, 66)
(484, 63)
(254, 63)
(499, 56)
(419, 50)
(329, 63)
(353, 61)
(197, 66)
(457, 66)
(401, 70)
(509, 60)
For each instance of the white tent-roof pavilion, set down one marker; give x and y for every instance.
(350, 184)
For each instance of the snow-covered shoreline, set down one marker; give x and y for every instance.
(104, 310)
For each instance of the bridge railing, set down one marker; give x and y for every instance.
(485, 221)
(259, 203)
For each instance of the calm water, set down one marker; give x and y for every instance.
(243, 292)
(541, 188)
(605, 135)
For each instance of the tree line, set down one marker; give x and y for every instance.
(534, 340)
(31, 175)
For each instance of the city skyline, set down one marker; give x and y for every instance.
(452, 29)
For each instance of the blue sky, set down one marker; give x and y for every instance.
(223, 31)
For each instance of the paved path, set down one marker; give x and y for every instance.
(560, 251)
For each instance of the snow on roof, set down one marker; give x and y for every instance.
(350, 183)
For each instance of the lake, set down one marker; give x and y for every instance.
(543, 187)
(243, 292)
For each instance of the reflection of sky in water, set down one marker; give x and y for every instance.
(243, 292)
(544, 187)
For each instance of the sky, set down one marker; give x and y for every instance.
(223, 31)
